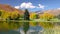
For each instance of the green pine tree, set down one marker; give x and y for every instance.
(26, 24)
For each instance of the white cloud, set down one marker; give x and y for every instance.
(17, 7)
(29, 5)
(41, 6)
(58, 8)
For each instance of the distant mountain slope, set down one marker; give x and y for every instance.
(6, 7)
(53, 11)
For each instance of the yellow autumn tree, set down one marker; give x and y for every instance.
(47, 16)
(33, 16)
(4, 14)
(6, 25)
(14, 14)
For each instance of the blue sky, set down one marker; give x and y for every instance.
(33, 5)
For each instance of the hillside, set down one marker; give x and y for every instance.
(9, 8)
